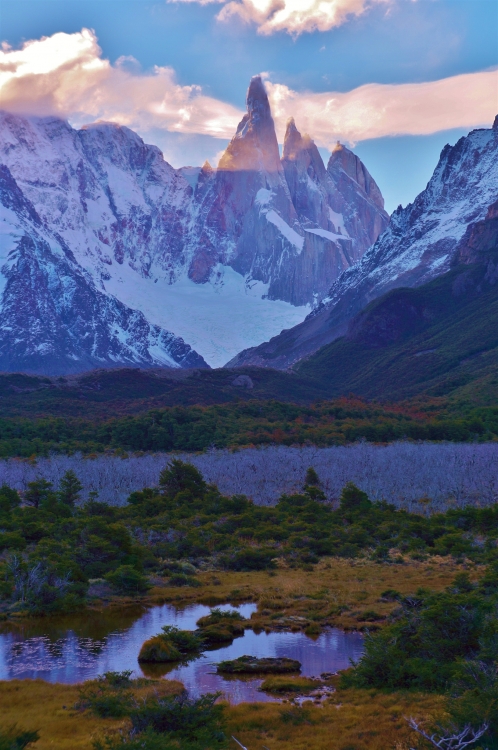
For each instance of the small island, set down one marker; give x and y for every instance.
(252, 665)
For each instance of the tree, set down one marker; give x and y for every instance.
(179, 476)
(69, 488)
(38, 493)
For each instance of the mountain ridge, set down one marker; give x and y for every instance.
(419, 244)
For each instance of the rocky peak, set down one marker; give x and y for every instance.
(344, 159)
(254, 145)
(495, 123)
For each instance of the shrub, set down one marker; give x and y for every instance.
(127, 580)
(106, 696)
(354, 500)
(13, 738)
(249, 559)
(425, 646)
(182, 717)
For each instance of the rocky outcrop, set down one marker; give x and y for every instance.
(420, 243)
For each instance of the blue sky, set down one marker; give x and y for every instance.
(398, 42)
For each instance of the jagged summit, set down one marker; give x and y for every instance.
(258, 106)
(254, 145)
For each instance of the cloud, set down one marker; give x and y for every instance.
(379, 110)
(291, 16)
(66, 75)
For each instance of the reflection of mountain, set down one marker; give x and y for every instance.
(106, 249)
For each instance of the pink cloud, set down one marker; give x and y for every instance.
(291, 16)
(66, 75)
(378, 110)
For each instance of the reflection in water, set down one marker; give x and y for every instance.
(74, 649)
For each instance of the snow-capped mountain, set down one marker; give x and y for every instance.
(222, 257)
(419, 244)
(54, 319)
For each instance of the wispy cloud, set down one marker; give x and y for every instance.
(66, 75)
(378, 110)
(291, 16)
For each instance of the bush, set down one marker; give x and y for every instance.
(426, 645)
(182, 718)
(127, 580)
(13, 738)
(106, 696)
(249, 559)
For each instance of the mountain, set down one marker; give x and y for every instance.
(224, 258)
(418, 245)
(440, 338)
(54, 318)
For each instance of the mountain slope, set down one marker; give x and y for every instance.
(440, 338)
(418, 245)
(222, 257)
(53, 317)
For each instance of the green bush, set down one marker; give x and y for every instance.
(187, 719)
(425, 646)
(13, 738)
(106, 696)
(128, 580)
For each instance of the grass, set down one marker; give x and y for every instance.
(280, 685)
(341, 593)
(351, 720)
(50, 709)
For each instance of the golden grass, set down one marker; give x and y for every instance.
(337, 592)
(49, 708)
(351, 720)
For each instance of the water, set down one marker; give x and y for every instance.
(77, 648)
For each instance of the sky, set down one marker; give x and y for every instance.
(394, 79)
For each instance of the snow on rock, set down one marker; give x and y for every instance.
(53, 318)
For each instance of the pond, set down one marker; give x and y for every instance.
(77, 648)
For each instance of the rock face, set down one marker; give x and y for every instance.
(420, 243)
(223, 257)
